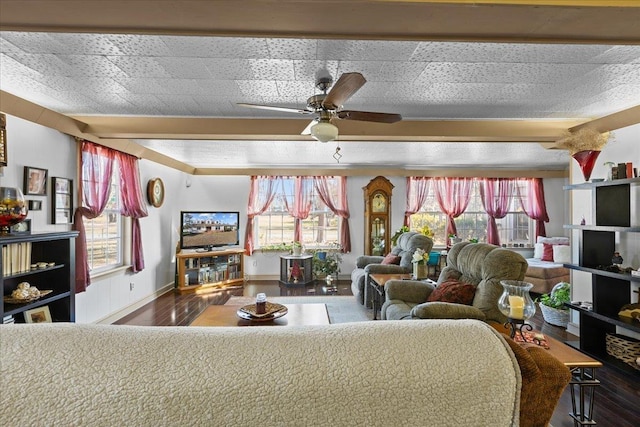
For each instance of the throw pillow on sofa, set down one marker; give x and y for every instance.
(453, 291)
(391, 259)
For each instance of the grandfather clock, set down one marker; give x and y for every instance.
(377, 216)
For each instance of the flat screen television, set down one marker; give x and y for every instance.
(209, 229)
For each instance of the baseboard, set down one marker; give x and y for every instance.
(573, 329)
(133, 307)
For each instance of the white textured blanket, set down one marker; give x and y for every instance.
(428, 373)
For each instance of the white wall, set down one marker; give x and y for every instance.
(110, 297)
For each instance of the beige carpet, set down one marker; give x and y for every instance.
(341, 308)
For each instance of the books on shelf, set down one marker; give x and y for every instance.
(8, 319)
(16, 258)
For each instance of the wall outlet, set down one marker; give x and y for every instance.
(131, 286)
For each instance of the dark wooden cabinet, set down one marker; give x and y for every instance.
(46, 261)
(613, 204)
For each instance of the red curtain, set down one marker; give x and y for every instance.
(534, 205)
(339, 207)
(300, 206)
(452, 195)
(261, 194)
(133, 204)
(97, 167)
(97, 170)
(417, 193)
(496, 194)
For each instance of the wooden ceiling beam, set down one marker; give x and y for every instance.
(349, 130)
(610, 22)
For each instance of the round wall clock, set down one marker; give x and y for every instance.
(155, 192)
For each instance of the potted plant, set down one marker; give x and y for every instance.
(296, 248)
(326, 263)
(552, 305)
(453, 239)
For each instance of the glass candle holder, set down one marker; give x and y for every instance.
(13, 208)
(516, 303)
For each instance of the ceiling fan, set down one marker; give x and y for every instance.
(327, 106)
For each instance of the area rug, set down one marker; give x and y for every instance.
(341, 308)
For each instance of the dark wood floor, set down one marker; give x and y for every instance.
(617, 398)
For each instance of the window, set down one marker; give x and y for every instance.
(515, 228)
(104, 233)
(276, 226)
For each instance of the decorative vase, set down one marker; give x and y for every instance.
(587, 160)
(13, 208)
(419, 270)
(297, 250)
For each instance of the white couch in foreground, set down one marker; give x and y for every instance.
(433, 372)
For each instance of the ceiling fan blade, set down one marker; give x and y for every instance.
(347, 85)
(368, 116)
(275, 108)
(307, 130)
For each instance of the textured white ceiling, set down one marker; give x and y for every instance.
(191, 76)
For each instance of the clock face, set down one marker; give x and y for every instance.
(155, 192)
(379, 203)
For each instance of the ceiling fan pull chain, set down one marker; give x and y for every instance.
(337, 154)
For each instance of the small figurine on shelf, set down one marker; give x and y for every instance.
(617, 259)
(583, 221)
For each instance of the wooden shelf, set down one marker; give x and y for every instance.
(591, 185)
(624, 322)
(596, 271)
(57, 247)
(209, 270)
(614, 229)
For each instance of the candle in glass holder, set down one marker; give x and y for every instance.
(516, 307)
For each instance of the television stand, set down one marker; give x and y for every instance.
(204, 270)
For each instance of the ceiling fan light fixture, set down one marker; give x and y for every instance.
(324, 131)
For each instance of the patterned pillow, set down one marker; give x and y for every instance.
(391, 259)
(453, 291)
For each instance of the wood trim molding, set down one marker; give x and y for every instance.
(613, 22)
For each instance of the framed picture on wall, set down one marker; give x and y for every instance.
(35, 181)
(61, 200)
(3, 140)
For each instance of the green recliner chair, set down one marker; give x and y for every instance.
(480, 264)
(406, 245)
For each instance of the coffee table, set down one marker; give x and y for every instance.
(298, 314)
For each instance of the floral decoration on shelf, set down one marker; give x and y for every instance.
(584, 145)
(584, 139)
(420, 256)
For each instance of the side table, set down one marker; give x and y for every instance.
(376, 284)
(296, 270)
(583, 377)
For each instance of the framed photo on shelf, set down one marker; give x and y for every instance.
(23, 227)
(35, 181)
(38, 315)
(61, 200)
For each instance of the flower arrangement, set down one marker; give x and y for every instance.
(427, 231)
(420, 256)
(584, 139)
